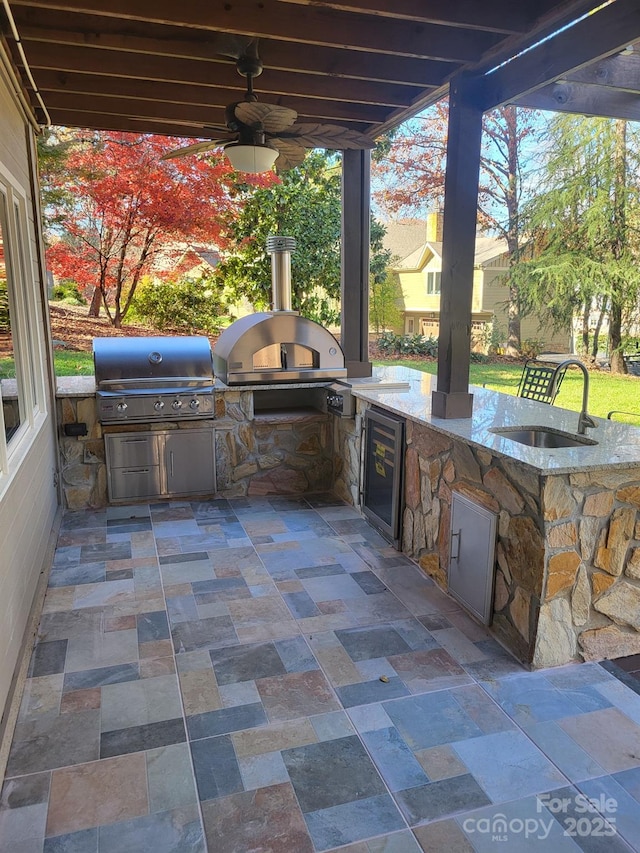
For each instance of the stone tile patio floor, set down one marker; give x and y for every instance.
(270, 675)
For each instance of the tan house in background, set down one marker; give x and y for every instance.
(419, 275)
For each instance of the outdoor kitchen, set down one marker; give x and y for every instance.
(560, 569)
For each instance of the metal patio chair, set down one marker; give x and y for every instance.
(540, 380)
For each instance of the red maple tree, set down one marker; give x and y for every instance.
(124, 205)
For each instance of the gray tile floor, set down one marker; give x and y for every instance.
(270, 675)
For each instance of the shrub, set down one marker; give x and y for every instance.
(67, 292)
(530, 348)
(393, 344)
(192, 305)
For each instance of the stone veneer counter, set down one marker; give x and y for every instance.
(567, 567)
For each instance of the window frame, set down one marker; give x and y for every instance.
(433, 282)
(25, 314)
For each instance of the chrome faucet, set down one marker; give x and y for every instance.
(584, 419)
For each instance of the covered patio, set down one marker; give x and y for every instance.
(268, 673)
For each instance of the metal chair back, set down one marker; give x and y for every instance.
(540, 380)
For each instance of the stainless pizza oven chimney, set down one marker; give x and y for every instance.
(280, 249)
(278, 345)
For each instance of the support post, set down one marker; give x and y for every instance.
(356, 214)
(452, 398)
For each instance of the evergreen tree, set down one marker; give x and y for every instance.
(584, 224)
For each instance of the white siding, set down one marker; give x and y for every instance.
(28, 498)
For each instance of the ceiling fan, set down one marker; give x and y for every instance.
(259, 135)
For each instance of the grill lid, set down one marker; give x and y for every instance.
(131, 364)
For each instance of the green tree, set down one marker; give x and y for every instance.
(384, 296)
(306, 204)
(584, 223)
(192, 304)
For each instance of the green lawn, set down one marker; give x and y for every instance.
(67, 363)
(606, 392)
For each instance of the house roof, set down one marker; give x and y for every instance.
(404, 236)
(161, 66)
(488, 249)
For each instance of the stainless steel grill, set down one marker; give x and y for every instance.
(278, 345)
(153, 378)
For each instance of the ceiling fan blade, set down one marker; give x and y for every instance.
(271, 118)
(290, 155)
(197, 148)
(328, 136)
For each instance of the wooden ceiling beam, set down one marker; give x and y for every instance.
(311, 25)
(129, 87)
(597, 36)
(585, 99)
(503, 16)
(159, 40)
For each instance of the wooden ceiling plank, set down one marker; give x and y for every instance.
(273, 19)
(95, 121)
(604, 33)
(500, 16)
(110, 34)
(135, 124)
(617, 72)
(324, 111)
(584, 99)
(64, 81)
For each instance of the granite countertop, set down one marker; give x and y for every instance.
(75, 386)
(618, 443)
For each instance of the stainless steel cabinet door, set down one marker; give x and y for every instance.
(472, 556)
(190, 462)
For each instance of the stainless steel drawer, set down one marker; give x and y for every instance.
(133, 450)
(140, 482)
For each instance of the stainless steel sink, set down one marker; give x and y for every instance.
(542, 436)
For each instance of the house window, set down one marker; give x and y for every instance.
(410, 325)
(21, 380)
(433, 283)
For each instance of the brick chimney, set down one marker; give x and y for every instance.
(434, 226)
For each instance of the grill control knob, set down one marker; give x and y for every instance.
(177, 404)
(122, 407)
(158, 405)
(194, 404)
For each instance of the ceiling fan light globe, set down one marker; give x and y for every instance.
(250, 158)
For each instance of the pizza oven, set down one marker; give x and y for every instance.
(278, 345)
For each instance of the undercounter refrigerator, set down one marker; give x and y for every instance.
(382, 472)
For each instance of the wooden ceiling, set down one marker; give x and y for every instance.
(166, 66)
